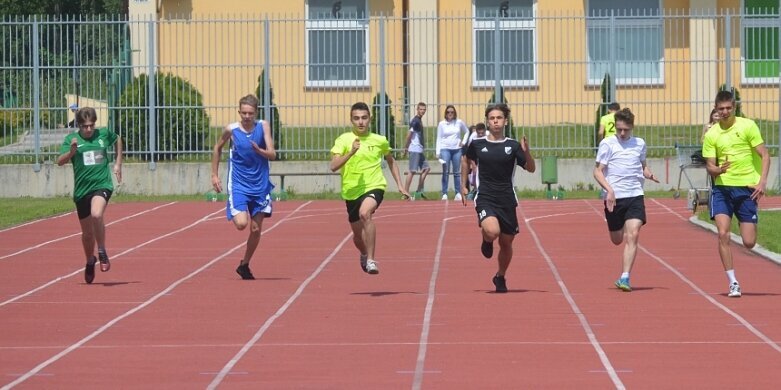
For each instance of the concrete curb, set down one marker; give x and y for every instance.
(758, 249)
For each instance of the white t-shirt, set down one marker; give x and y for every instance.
(449, 134)
(624, 165)
(414, 145)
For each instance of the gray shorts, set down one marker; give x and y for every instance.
(417, 162)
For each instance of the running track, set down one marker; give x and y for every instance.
(173, 314)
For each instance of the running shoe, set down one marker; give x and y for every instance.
(89, 270)
(457, 197)
(422, 195)
(371, 267)
(623, 284)
(734, 290)
(487, 249)
(500, 283)
(363, 262)
(444, 196)
(244, 272)
(105, 265)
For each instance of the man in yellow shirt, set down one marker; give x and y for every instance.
(738, 161)
(359, 155)
(607, 123)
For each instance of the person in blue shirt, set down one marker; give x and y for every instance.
(248, 185)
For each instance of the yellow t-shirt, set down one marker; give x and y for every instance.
(735, 144)
(608, 121)
(363, 171)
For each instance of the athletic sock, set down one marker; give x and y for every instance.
(625, 275)
(731, 276)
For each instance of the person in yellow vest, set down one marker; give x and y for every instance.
(359, 154)
(607, 123)
(738, 160)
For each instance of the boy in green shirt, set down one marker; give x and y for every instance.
(738, 161)
(359, 155)
(607, 123)
(87, 149)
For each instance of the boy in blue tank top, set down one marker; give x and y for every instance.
(248, 184)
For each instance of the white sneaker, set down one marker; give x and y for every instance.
(457, 197)
(734, 290)
(371, 267)
(444, 196)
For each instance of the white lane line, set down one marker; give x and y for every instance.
(575, 309)
(36, 221)
(79, 233)
(132, 311)
(226, 370)
(118, 255)
(417, 380)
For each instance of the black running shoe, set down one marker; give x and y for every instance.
(89, 270)
(500, 283)
(487, 249)
(244, 272)
(105, 265)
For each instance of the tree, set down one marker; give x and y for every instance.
(181, 124)
(274, 121)
(605, 92)
(389, 119)
(508, 127)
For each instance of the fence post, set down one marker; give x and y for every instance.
(383, 102)
(612, 67)
(778, 140)
(266, 76)
(497, 61)
(727, 51)
(151, 96)
(36, 95)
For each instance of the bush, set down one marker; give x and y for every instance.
(274, 121)
(390, 128)
(181, 120)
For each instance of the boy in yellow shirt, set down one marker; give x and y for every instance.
(359, 155)
(738, 161)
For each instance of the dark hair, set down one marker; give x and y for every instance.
(614, 106)
(480, 126)
(455, 113)
(360, 106)
(725, 96)
(249, 100)
(86, 114)
(421, 104)
(625, 116)
(498, 106)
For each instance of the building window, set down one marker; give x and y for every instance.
(517, 42)
(759, 41)
(337, 43)
(628, 35)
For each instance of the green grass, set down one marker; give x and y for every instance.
(768, 229)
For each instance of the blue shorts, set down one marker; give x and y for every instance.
(239, 203)
(733, 201)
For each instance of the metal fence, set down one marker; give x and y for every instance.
(169, 86)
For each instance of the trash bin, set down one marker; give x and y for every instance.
(550, 174)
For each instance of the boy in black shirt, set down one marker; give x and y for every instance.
(495, 202)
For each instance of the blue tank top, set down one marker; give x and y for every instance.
(247, 170)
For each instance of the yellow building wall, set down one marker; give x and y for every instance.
(562, 93)
(223, 44)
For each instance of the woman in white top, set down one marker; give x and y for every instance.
(449, 142)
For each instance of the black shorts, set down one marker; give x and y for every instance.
(84, 205)
(625, 209)
(508, 219)
(354, 206)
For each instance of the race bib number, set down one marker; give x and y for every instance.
(89, 158)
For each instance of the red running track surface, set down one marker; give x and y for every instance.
(172, 313)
